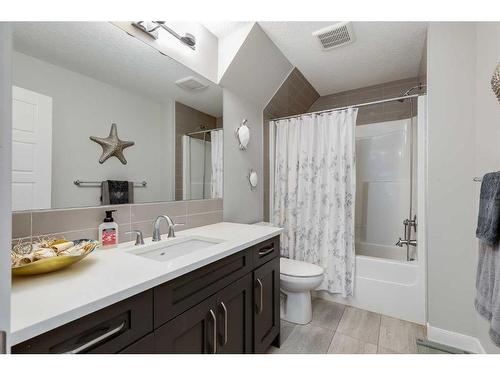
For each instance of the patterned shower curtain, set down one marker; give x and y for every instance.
(314, 190)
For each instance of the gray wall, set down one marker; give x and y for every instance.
(5, 173)
(487, 127)
(464, 141)
(451, 245)
(250, 81)
(241, 204)
(83, 106)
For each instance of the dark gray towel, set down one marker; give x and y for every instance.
(488, 222)
(117, 192)
(487, 301)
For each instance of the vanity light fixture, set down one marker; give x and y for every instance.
(151, 28)
(243, 134)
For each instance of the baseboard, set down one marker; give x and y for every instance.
(455, 339)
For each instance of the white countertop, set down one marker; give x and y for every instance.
(44, 302)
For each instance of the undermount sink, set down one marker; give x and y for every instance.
(166, 250)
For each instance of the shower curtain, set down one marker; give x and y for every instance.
(217, 163)
(314, 190)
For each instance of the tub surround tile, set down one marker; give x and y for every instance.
(67, 220)
(203, 206)
(360, 324)
(21, 224)
(150, 211)
(84, 222)
(343, 344)
(203, 219)
(382, 350)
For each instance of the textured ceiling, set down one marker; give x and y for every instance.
(382, 52)
(104, 52)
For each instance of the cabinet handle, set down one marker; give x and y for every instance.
(214, 331)
(97, 340)
(261, 290)
(225, 322)
(266, 250)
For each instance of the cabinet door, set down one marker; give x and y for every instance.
(267, 305)
(192, 332)
(146, 345)
(234, 317)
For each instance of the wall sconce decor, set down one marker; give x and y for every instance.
(243, 134)
(112, 145)
(253, 179)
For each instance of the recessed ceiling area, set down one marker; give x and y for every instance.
(382, 52)
(106, 53)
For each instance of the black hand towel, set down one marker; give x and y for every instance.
(488, 222)
(117, 192)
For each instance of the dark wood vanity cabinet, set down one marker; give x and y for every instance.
(229, 306)
(220, 324)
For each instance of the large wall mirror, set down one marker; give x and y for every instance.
(73, 80)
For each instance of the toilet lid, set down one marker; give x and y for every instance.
(297, 268)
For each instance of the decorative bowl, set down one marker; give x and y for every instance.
(52, 264)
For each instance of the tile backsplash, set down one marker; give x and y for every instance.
(83, 222)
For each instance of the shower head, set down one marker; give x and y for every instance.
(409, 91)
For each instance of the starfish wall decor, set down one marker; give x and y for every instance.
(112, 145)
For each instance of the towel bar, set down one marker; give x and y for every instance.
(477, 179)
(98, 183)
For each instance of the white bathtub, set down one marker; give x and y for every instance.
(387, 286)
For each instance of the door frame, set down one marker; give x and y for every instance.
(5, 178)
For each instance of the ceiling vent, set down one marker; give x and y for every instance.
(191, 83)
(335, 36)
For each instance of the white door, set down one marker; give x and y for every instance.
(31, 150)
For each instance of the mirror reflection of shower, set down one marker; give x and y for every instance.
(202, 163)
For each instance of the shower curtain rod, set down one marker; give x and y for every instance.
(349, 106)
(204, 131)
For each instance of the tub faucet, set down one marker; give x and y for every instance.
(156, 227)
(402, 242)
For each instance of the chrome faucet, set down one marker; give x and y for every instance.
(139, 239)
(156, 227)
(405, 242)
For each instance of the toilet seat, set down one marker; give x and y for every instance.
(297, 268)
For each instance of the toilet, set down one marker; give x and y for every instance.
(297, 280)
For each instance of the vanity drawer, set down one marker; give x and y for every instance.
(178, 295)
(265, 251)
(106, 331)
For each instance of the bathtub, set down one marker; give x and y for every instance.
(390, 287)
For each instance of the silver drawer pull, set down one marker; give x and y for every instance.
(215, 331)
(264, 251)
(261, 289)
(97, 340)
(225, 323)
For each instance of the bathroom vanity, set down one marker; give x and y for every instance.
(223, 298)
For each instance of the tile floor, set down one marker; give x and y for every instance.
(340, 329)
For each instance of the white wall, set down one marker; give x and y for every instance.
(487, 127)
(464, 142)
(83, 107)
(5, 173)
(451, 147)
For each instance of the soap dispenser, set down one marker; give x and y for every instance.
(108, 231)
